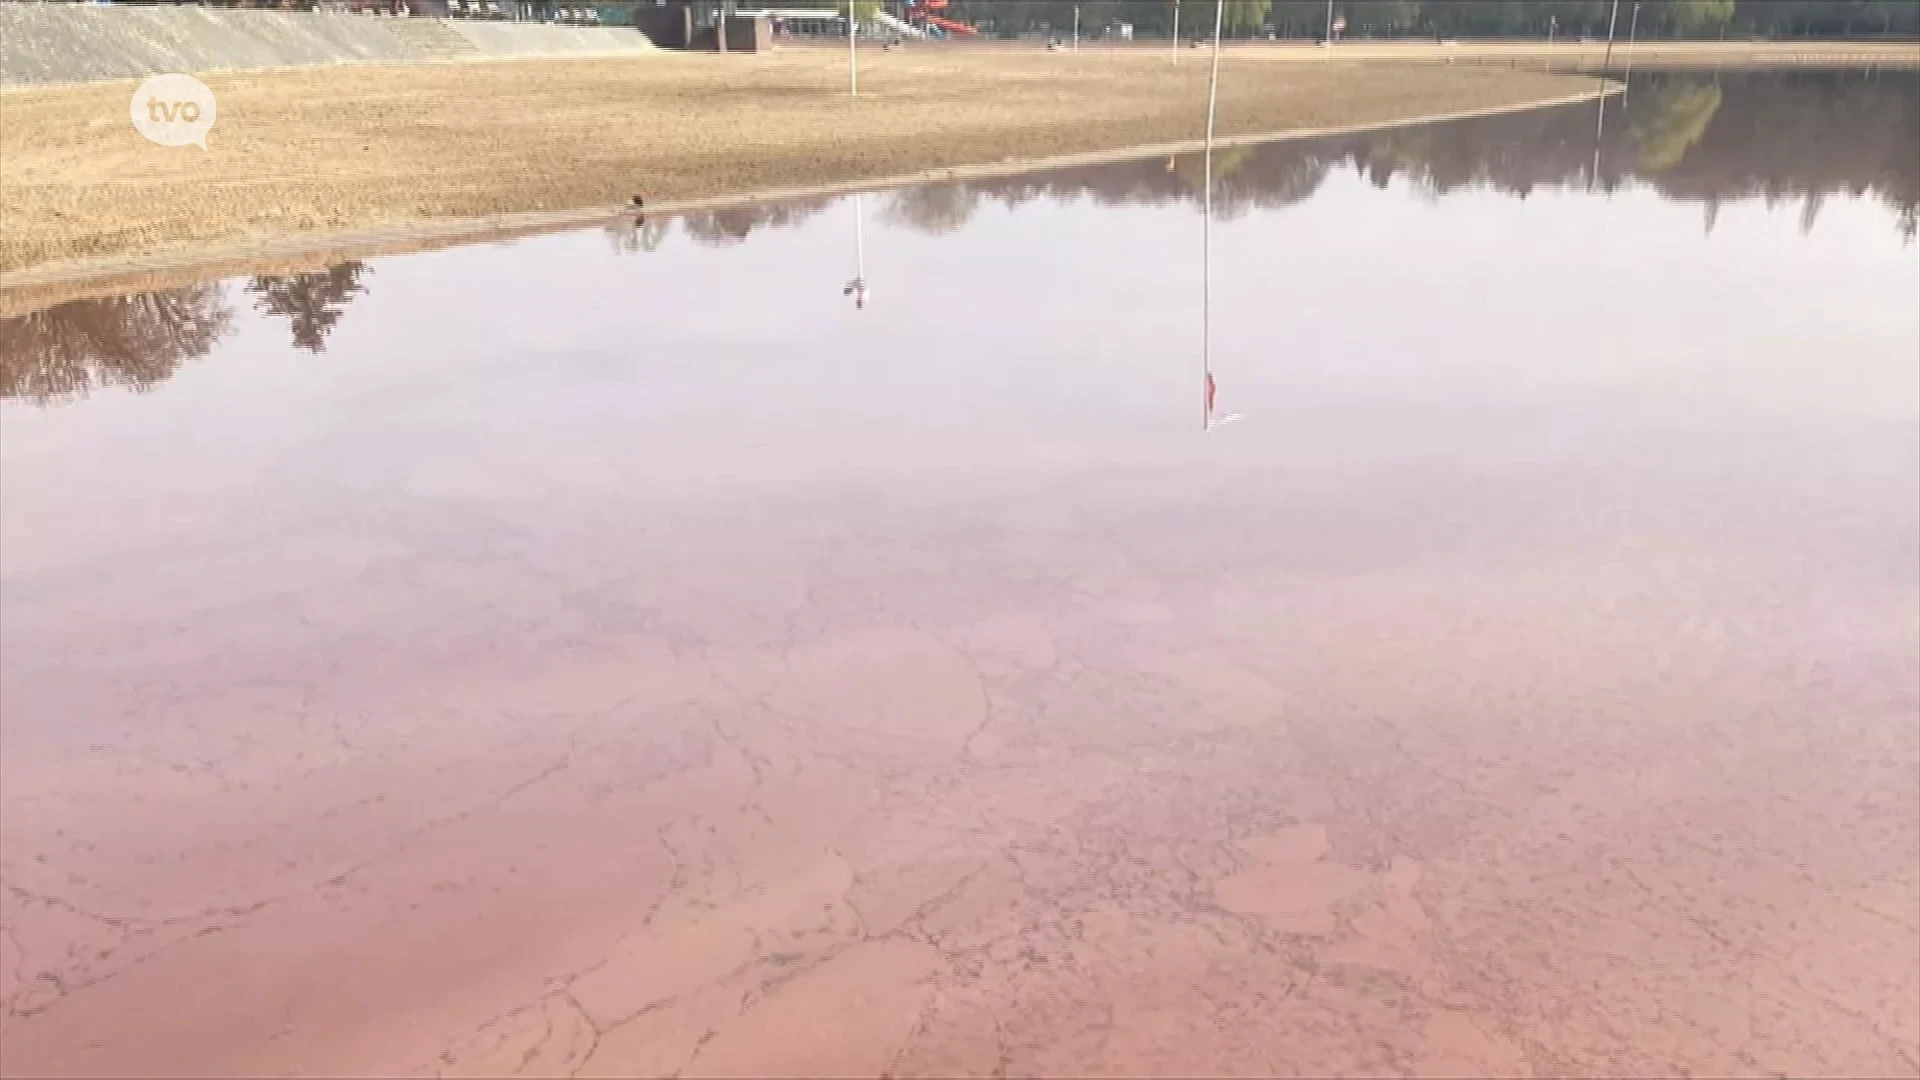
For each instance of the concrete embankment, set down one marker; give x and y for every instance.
(52, 43)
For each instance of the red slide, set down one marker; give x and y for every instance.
(921, 11)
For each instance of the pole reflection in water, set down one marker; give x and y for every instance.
(1209, 387)
(1599, 132)
(1206, 235)
(857, 288)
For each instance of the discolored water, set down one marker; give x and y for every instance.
(620, 653)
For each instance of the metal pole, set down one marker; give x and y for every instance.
(1633, 38)
(1176, 31)
(1612, 18)
(1076, 28)
(1213, 93)
(1329, 37)
(1206, 224)
(853, 52)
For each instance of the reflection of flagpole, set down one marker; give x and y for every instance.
(1600, 122)
(1599, 129)
(857, 288)
(1206, 231)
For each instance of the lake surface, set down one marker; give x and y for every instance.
(619, 652)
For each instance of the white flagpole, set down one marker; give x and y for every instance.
(1613, 19)
(1633, 40)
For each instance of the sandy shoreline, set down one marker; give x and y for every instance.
(306, 161)
(40, 287)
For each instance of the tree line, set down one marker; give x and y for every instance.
(1770, 19)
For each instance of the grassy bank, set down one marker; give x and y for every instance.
(310, 152)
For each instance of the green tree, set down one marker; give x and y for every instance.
(1383, 18)
(1242, 16)
(1298, 18)
(1825, 18)
(1697, 18)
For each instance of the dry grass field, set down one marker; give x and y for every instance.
(308, 152)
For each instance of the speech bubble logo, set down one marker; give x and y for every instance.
(173, 110)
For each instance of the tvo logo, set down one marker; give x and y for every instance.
(173, 110)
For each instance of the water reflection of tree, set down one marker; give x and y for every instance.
(1798, 136)
(312, 302)
(637, 235)
(64, 352)
(1663, 133)
(709, 228)
(1230, 199)
(732, 224)
(930, 208)
(1689, 137)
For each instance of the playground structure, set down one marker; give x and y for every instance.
(920, 21)
(921, 13)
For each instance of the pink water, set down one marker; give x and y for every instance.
(629, 664)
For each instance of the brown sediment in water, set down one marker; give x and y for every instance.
(897, 843)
